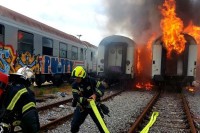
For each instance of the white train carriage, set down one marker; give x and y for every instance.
(116, 57)
(91, 59)
(179, 68)
(50, 53)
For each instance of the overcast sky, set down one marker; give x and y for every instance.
(85, 17)
(96, 19)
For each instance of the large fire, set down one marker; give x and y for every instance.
(194, 31)
(172, 27)
(139, 67)
(143, 65)
(173, 40)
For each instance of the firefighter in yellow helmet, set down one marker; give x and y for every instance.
(18, 106)
(83, 89)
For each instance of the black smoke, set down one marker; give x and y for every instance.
(141, 18)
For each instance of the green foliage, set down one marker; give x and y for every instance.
(54, 90)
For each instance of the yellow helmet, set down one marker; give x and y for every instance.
(79, 72)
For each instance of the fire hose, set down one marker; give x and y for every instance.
(151, 122)
(97, 114)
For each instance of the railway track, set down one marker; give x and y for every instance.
(174, 114)
(57, 121)
(68, 101)
(54, 104)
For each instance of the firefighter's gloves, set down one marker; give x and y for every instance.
(105, 110)
(92, 97)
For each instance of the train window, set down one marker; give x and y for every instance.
(25, 42)
(2, 35)
(63, 50)
(102, 61)
(119, 51)
(112, 51)
(81, 54)
(91, 56)
(47, 46)
(74, 53)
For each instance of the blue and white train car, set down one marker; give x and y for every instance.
(91, 59)
(50, 53)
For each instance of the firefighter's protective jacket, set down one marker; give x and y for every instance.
(19, 103)
(87, 87)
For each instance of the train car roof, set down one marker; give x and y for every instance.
(116, 38)
(187, 38)
(5, 12)
(89, 44)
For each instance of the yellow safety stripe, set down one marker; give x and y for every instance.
(97, 114)
(151, 122)
(16, 123)
(28, 106)
(81, 99)
(16, 98)
(4, 125)
(75, 90)
(98, 84)
(98, 91)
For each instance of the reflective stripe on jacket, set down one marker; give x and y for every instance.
(20, 100)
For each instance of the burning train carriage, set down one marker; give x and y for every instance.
(116, 58)
(50, 53)
(178, 69)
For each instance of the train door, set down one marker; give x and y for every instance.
(192, 59)
(156, 60)
(116, 57)
(176, 64)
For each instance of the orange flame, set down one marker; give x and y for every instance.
(194, 31)
(172, 26)
(144, 59)
(150, 41)
(139, 67)
(191, 89)
(146, 86)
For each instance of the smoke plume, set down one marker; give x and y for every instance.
(141, 18)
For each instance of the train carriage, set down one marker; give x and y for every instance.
(50, 53)
(116, 58)
(178, 69)
(91, 56)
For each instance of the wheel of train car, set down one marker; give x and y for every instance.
(57, 82)
(38, 82)
(57, 79)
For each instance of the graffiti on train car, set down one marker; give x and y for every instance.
(50, 64)
(7, 59)
(28, 59)
(11, 62)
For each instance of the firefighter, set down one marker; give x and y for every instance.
(18, 106)
(85, 88)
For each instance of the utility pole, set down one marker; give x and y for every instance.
(79, 36)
